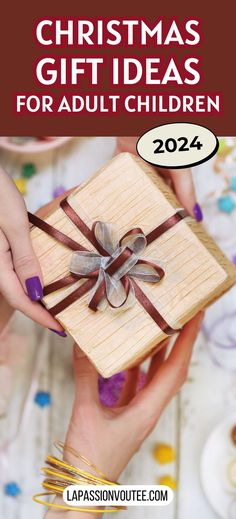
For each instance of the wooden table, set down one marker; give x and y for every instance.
(208, 395)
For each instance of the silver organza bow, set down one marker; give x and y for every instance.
(115, 271)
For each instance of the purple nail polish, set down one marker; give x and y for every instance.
(62, 334)
(34, 288)
(198, 212)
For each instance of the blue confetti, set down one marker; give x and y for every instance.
(12, 489)
(226, 204)
(233, 183)
(43, 398)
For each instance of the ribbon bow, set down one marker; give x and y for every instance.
(111, 271)
(115, 270)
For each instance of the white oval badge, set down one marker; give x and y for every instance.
(177, 145)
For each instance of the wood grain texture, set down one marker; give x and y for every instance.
(128, 193)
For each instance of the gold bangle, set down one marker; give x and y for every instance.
(72, 508)
(60, 474)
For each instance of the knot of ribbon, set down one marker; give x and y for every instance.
(111, 272)
(114, 271)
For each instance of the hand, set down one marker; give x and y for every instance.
(21, 284)
(181, 179)
(109, 437)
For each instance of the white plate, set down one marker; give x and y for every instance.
(217, 454)
(33, 146)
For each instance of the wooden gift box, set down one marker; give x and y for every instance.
(129, 193)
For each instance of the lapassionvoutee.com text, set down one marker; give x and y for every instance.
(118, 495)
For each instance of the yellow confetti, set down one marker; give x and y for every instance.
(169, 481)
(164, 453)
(21, 185)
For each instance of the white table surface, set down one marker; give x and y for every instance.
(207, 397)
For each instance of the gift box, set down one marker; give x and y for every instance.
(124, 266)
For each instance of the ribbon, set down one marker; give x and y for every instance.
(110, 271)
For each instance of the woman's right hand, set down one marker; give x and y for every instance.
(21, 284)
(109, 437)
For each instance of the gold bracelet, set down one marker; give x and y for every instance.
(60, 474)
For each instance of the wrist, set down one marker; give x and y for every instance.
(100, 464)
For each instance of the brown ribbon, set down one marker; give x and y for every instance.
(111, 268)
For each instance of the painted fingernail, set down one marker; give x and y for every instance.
(62, 334)
(198, 212)
(34, 288)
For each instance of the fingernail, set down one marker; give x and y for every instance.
(34, 288)
(197, 212)
(62, 334)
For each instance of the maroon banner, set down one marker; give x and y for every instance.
(101, 68)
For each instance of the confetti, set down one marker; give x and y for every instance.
(164, 453)
(12, 489)
(28, 170)
(169, 481)
(226, 204)
(110, 388)
(233, 183)
(58, 191)
(43, 398)
(224, 148)
(21, 185)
